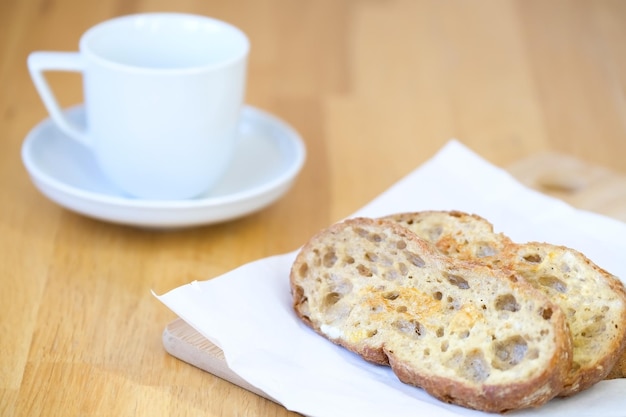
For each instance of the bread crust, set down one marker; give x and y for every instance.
(619, 369)
(317, 267)
(494, 399)
(459, 236)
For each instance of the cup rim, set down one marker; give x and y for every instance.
(85, 48)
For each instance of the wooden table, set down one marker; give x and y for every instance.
(374, 87)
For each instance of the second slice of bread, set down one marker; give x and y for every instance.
(465, 333)
(593, 300)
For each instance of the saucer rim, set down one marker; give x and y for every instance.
(274, 187)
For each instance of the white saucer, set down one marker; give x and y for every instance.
(270, 154)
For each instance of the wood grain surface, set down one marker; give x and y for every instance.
(374, 87)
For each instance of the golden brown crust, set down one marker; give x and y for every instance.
(619, 369)
(493, 399)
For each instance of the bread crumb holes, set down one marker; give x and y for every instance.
(458, 281)
(534, 258)
(507, 302)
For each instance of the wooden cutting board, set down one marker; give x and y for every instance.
(582, 185)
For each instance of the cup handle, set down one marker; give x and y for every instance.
(38, 63)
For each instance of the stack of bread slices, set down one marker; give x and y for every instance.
(465, 313)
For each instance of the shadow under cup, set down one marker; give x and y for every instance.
(163, 94)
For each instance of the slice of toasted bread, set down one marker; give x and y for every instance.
(455, 233)
(466, 333)
(594, 300)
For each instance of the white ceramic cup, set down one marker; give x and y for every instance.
(162, 96)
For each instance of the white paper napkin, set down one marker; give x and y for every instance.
(247, 312)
